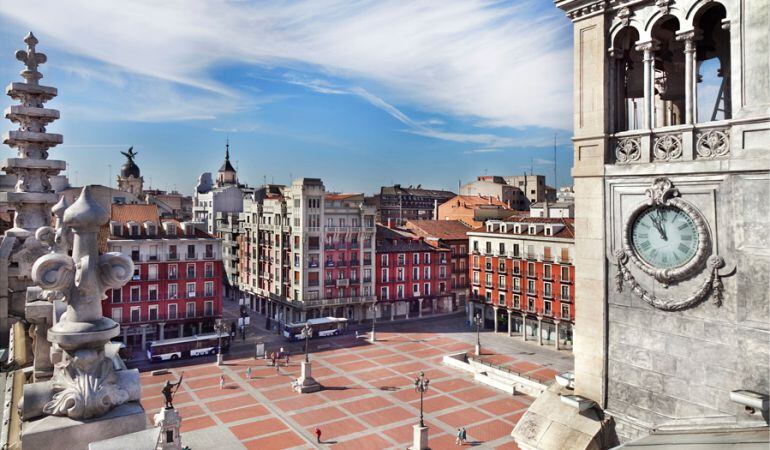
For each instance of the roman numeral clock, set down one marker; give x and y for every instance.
(667, 238)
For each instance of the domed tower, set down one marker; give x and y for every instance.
(226, 174)
(130, 179)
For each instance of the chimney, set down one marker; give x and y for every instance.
(546, 211)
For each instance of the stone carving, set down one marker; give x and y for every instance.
(85, 384)
(628, 150)
(712, 144)
(667, 147)
(663, 193)
(169, 390)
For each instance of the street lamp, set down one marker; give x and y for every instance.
(373, 308)
(307, 331)
(477, 320)
(421, 385)
(219, 327)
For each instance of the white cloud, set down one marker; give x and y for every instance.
(508, 65)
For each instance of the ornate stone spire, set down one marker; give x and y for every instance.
(32, 196)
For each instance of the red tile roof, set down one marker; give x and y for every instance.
(440, 229)
(135, 212)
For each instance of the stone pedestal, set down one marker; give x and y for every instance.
(420, 438)
(306, 383)
(477, 350)
(169, 421)
(63, 432)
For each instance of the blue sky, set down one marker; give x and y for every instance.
(361, 93)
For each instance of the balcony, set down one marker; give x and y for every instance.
(208, 274)
(329, 282)
(665, 144)
(367, 262)
(342, 282)
(173, 257)
(547, 294)
(208, 255)
(152, 258)
(354, 263)
(341, 263)
(313, 283)
(369, 280)
(329, 264)
(531, 256)
(564, 260)
(313, 264)
(191, 256)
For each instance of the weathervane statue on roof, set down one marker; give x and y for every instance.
(130, 154)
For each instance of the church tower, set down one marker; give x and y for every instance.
(130, 179)
(226, 174)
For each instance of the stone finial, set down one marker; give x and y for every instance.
(86, 213)
(31, 59)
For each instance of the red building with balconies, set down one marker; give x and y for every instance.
(522, 278)
(177, 285)
(413, 278)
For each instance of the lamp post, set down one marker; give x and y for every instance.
(373, 308)
(219, 327)
(307, 331)
(478, 320)
(421, 385)
(420, 437)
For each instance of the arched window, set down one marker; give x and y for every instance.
(668, 72)
(627, 81)
(713, 62)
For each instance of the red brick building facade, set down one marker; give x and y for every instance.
(413, 278)
(522, 278)
(177, 285)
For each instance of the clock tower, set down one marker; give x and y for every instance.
(672, 223)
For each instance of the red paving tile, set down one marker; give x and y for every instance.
(216, 392)
(231, 403)
(202, 382)
(455, 348)
(388, 360)
(543, 374)
(489, 431)
(412, 369)
(428, 352)
(278, 393)
(157, 379)
(191, 411)
(337, 382)
(270, 381)
(376, 374)
(196, 424)
(393, 382)
(318, 416)
(386, 416)
(502, 407)
(525, 366)
(437, 403)
(198, 371)
(514, 418)
(300, 401)
(408, 394)
(508, 446)
(280, 441)
(258, 428)
(335, 395)
(369, 442)
(340, 359)
(248, 412)
(473, 394)
(452, 385)
(332, 430)
(356, 366)
(442, 441)
(154, 403)
(463, 417)
(360, 406)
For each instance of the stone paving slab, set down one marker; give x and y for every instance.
(369, 401)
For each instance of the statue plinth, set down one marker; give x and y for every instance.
(306, 383)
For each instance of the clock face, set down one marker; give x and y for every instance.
(665, 237)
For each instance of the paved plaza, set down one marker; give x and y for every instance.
(369, 401)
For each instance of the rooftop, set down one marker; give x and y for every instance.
(440, 229)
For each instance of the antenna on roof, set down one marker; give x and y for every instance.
(555, 184)
(531, 165)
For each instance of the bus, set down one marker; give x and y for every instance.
(325, 326)
(186, 347)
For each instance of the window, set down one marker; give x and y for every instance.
(426, 258)
(208, 308)
(488, 279)
(415, 289)
(415, 273)
(172, 254)
(531, 269)
(475, 278)
(384, 293)
(426, 289)
(530, 304)
(384, 259)
(564, 273)
(400, 274)
(208, 289)
(400, 291)
(191, 251)
(117, 314)
(135, 294)
(488, 263)
(384, 275)
(565, 312)
(117, 295)
(517, 284)
(191, 271)
(190, 290)
(531, 287)
(501, 282)
(426, 273)
(415, 258)
(190, 309)
(152, 293)
(172, 313)
(488, 248)
(172, 272)
(442, 272)
(565, 293)
(501, 299)
(208, 270)
(172, 291)
(152, 272)
(136, 314)
(501, 265)
(547, 271)
(516, 302)
(153, 313)
(501, 248)
(401, 259)
(547, 308)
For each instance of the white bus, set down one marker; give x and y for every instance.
(186, 347)
(325, 326)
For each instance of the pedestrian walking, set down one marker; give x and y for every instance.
(287, 359)
(248, 372)
(280, 352)
(464, 436)
(318, 435)
(221, 382)
(459, 436)
(272, 357)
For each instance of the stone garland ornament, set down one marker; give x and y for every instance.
(628, 150)
(713, 144)
(662, 194)
(667, 147)
(85, 383)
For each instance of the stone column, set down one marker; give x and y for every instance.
(494, 308)
(420, 301)
(539, 330)
(432, 306)
(200, 327)
(144, 335)
(124, 331)
(392, 311)
(556, 324)
(510, 323)
(408, 306)
(524, 326)
(161, 331)
(648, 48)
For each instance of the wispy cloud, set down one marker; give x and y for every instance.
(507, 65)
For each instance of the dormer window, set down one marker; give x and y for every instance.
(116, 229)
(532, 230)
(134, 230)
(548, 231)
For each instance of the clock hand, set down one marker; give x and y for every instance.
(661, 225)
(658, 226)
